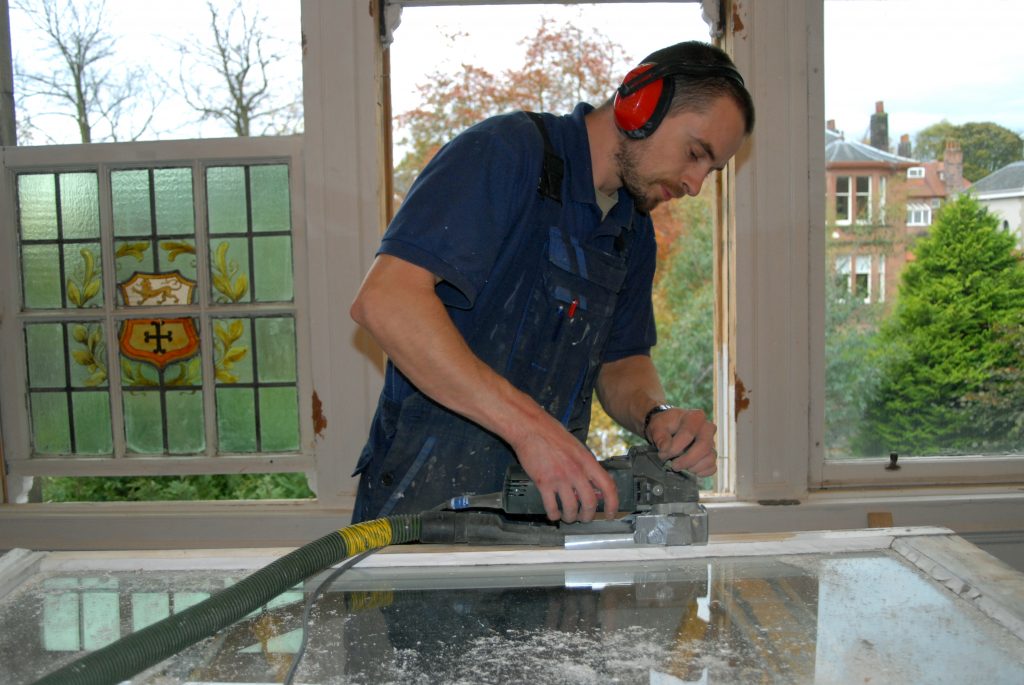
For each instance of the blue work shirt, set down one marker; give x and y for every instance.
(543, 291)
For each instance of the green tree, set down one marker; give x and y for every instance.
(987, 147)
(947, 339)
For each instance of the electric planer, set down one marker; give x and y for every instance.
(657, 506)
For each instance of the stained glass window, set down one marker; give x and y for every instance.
(169, 328)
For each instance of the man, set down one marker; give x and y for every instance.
(516, 279)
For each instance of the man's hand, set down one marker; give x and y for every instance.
(686, 438)
(565, 472)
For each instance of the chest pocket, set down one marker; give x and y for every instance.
(565, 324)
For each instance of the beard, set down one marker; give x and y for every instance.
(627, 157)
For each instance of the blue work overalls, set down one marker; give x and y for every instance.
(548, 344)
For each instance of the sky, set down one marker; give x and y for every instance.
(927, 60)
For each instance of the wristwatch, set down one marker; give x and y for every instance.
(656, 409)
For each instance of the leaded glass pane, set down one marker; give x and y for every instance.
(51, 432)
(143, 422)
(130, 257)
(37, 206)
(272, 267)
(229, 271)
(60, 622)
(275, 347)
(92, 423)
(226, 199)
(148, 608)
(79, 202)
(102, 619)
(271, 206)
(40, 269)
(232, 357)
(186, 432)
(44, 347)
(279, 426)
(87, 351)
(175, 213)
(84, 278)
(236, 419)
(130, 198)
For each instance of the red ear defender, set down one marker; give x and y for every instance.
(638, 111)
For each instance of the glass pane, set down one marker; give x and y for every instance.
(172, 94)
(175, 212)
(88, 355)
(101, 616)
(186, 432)
(272, 268)
(930, 365)
(40, 265)
(130, 197)
(275, 345)
(92, 423)
(143, 422)
(51, 432)
(44, 346)
(226, 199)
(279, 425)
(84, 284)
(236, 420)
(229, 271)
(130, 257)
(37, 206)
(60, 622)
(232, 356)
(80, 211)
(148, 608)
(271, 205)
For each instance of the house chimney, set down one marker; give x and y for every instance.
(904, 147)
(953, 166)
(880, 128)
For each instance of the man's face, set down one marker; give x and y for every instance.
(686, 147)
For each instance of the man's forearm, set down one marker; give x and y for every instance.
(627, 389)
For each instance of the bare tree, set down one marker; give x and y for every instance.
(231, 79)
(78, 76)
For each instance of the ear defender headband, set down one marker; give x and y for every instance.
(644, 97)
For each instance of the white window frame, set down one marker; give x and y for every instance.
(919, 214)
(770, 274)
(915, 172)
(862, 199)
(847, 218)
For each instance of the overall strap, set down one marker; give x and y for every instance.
(553, 170)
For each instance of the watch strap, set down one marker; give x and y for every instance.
(656, 409)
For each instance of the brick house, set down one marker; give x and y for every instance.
(878, 202)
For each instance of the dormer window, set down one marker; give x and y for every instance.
(915, 172)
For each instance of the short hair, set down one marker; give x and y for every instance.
(695, 91)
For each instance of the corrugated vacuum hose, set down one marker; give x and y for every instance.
(134, 653)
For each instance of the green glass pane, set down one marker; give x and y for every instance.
(40, 266)
(143, 424)
(132, 256)
(83, 269)
(225, 199)
(175, 213)
(271, 206)
(88, 355)
(130, 196)
(44, 347)
(148, 608)
(37, 206)
(79, 205)
(229, 271)
(51, 433)
(185, 429)
(232, 357)
(275, 345)
(92, 423)
(279, 420)
(101, 619)
(60, 622)
(183, 600)
(236, 420)
(179, 255)
(272, 265)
